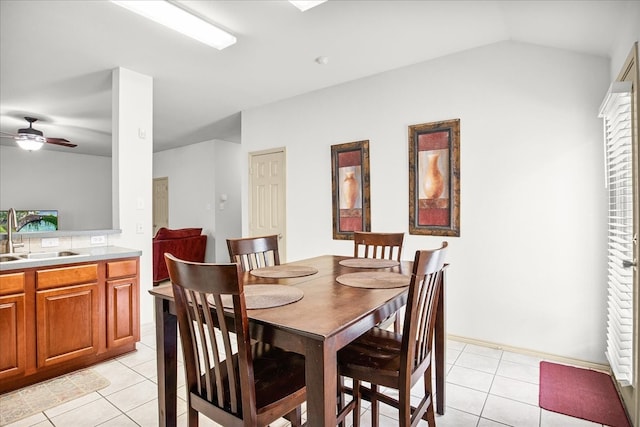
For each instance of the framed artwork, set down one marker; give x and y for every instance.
(31, 221)
(350, 189)
(434, 178)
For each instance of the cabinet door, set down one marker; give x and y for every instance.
(67, 323)
(122, 312)
(12, 336)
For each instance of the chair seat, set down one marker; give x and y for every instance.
(278, 374)
(374, 357)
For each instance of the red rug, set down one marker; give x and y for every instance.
(581, 393)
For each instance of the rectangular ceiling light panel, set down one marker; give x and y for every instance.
(306, 4)
(180, 20)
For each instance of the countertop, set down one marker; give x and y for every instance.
(98, 253)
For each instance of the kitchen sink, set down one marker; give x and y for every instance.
(43, 255)
(38, 255)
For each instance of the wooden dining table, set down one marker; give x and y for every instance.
(328, 317)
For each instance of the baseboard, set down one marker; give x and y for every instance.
(546, 356)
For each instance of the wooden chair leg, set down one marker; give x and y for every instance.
(295, 417)
(375, 415)
(192, 418)
(357, 398)
(431, 417)
(341, 399)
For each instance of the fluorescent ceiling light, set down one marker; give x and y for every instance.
(306, 4)
(180, 20)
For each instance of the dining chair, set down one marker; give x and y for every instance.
(377, 245)
(229, 380)
(254, 252)
(382, 246)
(384, 358)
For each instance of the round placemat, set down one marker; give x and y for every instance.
(369, 263)
(265, 296)
(283, 271)
(374, 280)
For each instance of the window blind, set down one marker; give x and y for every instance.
(616, 112)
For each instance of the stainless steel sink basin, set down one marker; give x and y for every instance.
(39, 255)
(43, 255)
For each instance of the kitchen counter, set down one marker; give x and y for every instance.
(84, 255)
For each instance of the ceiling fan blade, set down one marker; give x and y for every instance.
(7, 134)
(61, 141)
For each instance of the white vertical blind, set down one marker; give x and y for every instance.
(616, 112)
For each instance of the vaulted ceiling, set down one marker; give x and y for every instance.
(56, 56)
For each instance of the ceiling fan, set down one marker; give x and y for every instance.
(32, 139)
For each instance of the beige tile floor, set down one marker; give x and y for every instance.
(486, 387)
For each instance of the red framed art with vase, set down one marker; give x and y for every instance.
(434, 178)
(350, 189)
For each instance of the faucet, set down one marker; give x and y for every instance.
(12, 222)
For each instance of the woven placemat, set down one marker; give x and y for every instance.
(265, 296)
(374, 280)
(283, 271)
(369, 263)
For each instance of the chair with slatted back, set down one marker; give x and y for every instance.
(386, 359)
(381, 246)
(229, 380)
(378, 245)
(254, 252)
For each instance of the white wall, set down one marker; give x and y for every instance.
(628, 33)
(190, 170)
(47, 179)
(529, 268)
(229, 157)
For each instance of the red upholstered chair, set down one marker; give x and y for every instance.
(185, 243)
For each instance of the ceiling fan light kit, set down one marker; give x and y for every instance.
(29, 141)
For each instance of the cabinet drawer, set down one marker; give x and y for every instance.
(122, 268)
(66, 276)
(11, 283)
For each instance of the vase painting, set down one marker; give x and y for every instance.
(350, 189)
(433, 181)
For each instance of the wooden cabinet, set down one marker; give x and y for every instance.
(13, 357)
(55, 320)
(123, 319)
(67, 319)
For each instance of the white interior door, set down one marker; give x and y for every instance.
(160, 203)
(267, 198)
